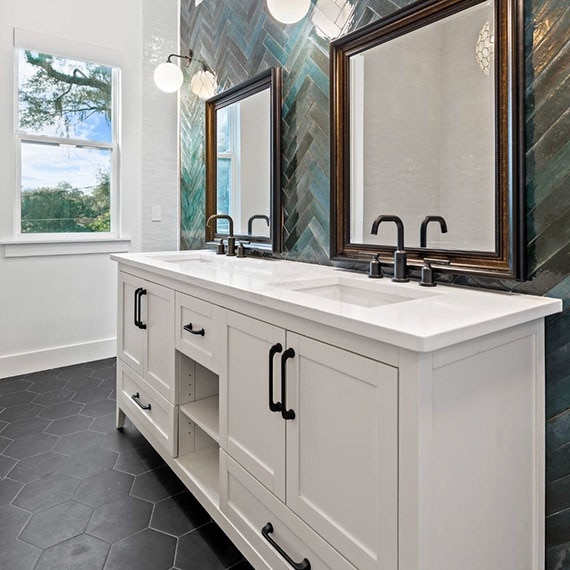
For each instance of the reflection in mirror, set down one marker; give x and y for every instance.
(243, 161)
(427, 144)
(426, 126)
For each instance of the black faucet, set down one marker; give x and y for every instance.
(231, 238)
(400, 257)
(423, 228)
(256, 217)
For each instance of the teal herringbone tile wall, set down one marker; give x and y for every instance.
(239, 39)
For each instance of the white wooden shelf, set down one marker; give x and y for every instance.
(204, 464)
(205, 414)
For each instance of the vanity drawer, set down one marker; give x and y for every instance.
(160, 419)
(198, 330)
(253, 509)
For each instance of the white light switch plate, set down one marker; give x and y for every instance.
(156, 213)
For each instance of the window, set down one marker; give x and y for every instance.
(227, 159)
(66, 146)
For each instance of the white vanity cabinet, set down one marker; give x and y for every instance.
(146, 331)
(325, 435)
(306, 419)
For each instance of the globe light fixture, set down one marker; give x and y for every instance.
(288, 11)
(204, 83)
(168, 76)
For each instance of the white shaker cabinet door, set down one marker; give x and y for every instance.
(251, 433)
(131, 337)
(342, 452)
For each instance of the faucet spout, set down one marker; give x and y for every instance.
(400, 256)
(222, 217)
(256, 217)
(425, 223)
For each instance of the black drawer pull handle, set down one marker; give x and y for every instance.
(136, 397)
(303, 565)
(273, 406)
(285, 413)
(136, 310)
(189, 328)
(142, 292)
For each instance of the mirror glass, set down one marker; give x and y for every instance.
(426, 126)
(242, 168)
(422, 134)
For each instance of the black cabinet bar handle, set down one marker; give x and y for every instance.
(273, 406)
(189, 328)
(136, 310)
(141, 293)
(285, 413)
(142, 406)
(303, 565)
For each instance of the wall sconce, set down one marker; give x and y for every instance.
(485, 48)
(288, 11)
(169, 78)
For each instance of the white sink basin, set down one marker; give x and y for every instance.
(183, 258)
(356, 292)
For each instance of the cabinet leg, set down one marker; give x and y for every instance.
(120, 418)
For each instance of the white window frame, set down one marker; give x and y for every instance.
(80, 242)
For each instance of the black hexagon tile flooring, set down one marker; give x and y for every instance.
(75, 493)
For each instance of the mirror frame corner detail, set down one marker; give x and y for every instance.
(271, 79)
(509, 258)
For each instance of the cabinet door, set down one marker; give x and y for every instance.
(158, 316)
(130, 341)
(342, 450)
(250, 432)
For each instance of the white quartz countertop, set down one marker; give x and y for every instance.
(402, 314)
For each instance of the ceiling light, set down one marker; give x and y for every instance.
(288, 11)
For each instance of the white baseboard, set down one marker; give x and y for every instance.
(26, 362)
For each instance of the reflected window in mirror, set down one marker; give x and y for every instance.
(243, 161)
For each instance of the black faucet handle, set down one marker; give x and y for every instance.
(428, 273)
(375, 270)
(220, 249)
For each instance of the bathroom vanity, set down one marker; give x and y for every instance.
(327, 420)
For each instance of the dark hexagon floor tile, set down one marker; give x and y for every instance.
(103, 488)
(105, 373)
(38, 466)
(16, 398)
(147, 550)
(98, 409)
(46, 492)
(56, 524)
(74, 373)
(98, 364)
(48, 385)
(86, 383)
(4, 443)
(83, 552)
(80, 441)
(179, 515)
(62, 410)
(107, 424)
(110, 383)
(24, 428)
(6, 465)
(89, 463)
(157, 485)
(139, 460)
(12, 521)
(122, 440)
(42, 375)
(8, 490)
(91, 395)
(207, 548)
(69, 425)
(115, 521)
(55, 397)
(9, 385)
(21, 412)
(18, 555)
(31, 445)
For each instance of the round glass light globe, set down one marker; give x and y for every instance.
(168, 77)
(288, 11)
(204, 84)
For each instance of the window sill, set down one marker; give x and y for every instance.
(42, 247)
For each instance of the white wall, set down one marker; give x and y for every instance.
(59, 310)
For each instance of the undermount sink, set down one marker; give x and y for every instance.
(183, 258)
(355, 292)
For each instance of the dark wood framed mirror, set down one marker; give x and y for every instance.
(427, 125)
(243, 161)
